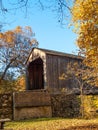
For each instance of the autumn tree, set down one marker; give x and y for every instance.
(85, 19)
(11, 84)
(15, 45)
(20, 83)
(8, 83)
(80, 75)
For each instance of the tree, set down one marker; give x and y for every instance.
(20, 83)
(15, 45)
(7, 84)
(79, 74)
(85, 19)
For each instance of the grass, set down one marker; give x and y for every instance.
(48, 124)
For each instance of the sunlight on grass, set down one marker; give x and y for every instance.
(48, 123)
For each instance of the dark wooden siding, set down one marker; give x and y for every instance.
(62, 63)
(52, 71)
(55, 69)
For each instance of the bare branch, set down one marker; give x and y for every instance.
(65, 5)
(42, 6)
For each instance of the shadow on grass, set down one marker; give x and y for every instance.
(40, 119)
(45, 119)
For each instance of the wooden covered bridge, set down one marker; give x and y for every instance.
(46, 69)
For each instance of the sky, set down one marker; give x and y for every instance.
(48, 31)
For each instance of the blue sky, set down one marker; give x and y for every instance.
(49, 33)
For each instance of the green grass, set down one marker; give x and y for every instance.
(48, 123)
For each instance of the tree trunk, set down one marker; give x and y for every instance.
(3, 75)
(7, 67)
(82, 101)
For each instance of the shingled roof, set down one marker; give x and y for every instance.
(52, 52)
(56, 53)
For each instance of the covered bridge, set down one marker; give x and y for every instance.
(46, 69)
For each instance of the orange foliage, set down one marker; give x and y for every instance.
(20, 83)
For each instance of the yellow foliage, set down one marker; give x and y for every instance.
(20, 83)
(85, 15)
(1, 35)
(18, 29)
(7, 86)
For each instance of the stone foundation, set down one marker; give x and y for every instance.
(30, 104)
(65, 105)
(6, 104)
